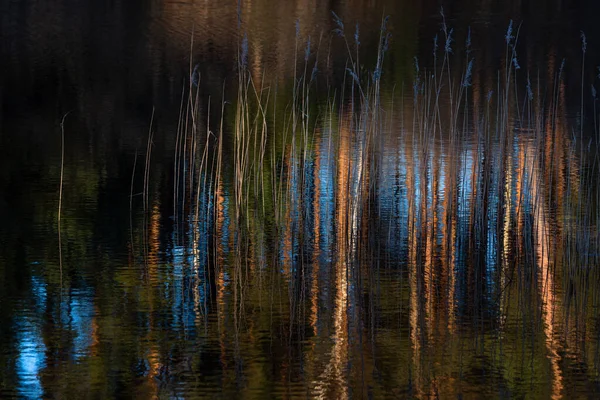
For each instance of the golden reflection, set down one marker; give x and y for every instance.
(535, 182)
(549, 301)
(449, 237)
(220, 285)
(339, 352)
(520, 189)
(199, 307)
(428, 213)
(153, 247)
(313, 353)
(436, 267)
(94, 347)
(314, 293)
(154, 240)
(546, 191)
(415, 311)
(333, 382)
(154, 372)
(449, 188)
(540, 186)
(555, 146)
(220, 216)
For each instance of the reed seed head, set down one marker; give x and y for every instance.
(509, 36)
(468, 74)
(340, 29)
(448, 47)
(516, 63)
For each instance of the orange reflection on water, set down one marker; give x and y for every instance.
(153, 375)
(220, 286)
(154, 239)
(414, 271)
(506, 198)
(428, 211)
(314, 292)
(95, 343)
(333, 381)
(449, 230)
(549, 301)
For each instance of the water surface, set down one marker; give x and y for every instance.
(414, 248)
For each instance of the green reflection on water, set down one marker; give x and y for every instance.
(370, 249)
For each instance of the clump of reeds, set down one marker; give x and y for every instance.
(262, 158)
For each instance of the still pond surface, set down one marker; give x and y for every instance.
(341, 205)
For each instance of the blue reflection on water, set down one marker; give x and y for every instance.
(31, 359)
(326, 199)
(74, 314)
(80, 313)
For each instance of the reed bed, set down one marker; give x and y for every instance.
(500, 195)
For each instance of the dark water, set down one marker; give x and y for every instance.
(385, 238)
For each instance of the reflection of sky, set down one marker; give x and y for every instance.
(172, 282)
(74, 315)
(416, 160)
(441, 193)
(466, 188)
(407, 176)
(326, 200)
(224, 232)
(80, 313)
(31, 359)
(183, 281)
(32, 350)
(201, 229)
(492, 237)
(393, 199)
(463, 219)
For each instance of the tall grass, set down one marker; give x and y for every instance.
(498, 195)
(60, 194)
